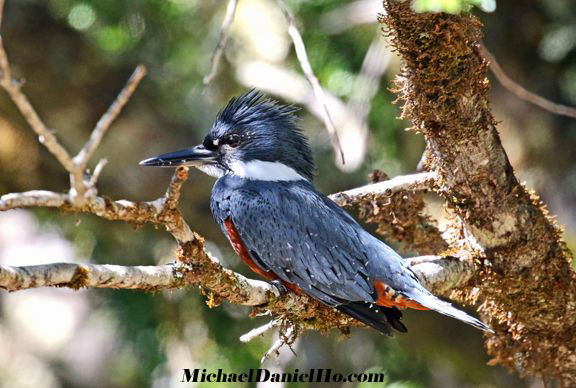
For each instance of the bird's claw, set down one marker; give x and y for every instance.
(281, 288)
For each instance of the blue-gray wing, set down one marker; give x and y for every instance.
(305, 239)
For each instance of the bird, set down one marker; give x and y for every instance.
(285, 230)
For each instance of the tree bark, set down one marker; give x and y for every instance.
(526, 285)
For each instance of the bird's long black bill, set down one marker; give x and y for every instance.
(188, 157)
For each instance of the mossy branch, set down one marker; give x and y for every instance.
(527, 286)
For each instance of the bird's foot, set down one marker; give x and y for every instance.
(281, 288)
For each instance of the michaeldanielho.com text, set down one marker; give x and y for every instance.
(264, 375)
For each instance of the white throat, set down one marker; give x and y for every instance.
(211, 170)
(265, 171)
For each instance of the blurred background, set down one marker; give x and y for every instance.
(76, 55)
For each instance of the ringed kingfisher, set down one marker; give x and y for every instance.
(287, 231)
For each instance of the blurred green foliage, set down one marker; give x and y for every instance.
(453, 6)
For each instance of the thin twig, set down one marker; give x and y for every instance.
(285, 339)
(524, 94)
(107, 118)
(97, 171)
(302, 56)
(222, 40)
(260, 330)
(77, 182)
(169, 207)
(172, 195)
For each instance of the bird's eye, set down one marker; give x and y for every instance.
(233, 140)
(208, 143)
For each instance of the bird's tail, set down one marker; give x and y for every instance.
(428, 300)
(379, 318)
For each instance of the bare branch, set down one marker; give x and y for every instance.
(89, 275)
(172, 195)
(78, 276)
(34, 198)
(176, 224)
(438, 274)
(107, 118)
(260, 330)
(135, 212)
(441, 274)
(414, 182)
(286, 338)
(97, 171)
(523, 93)
(222, 40)
(302, 56)
(79, 186)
